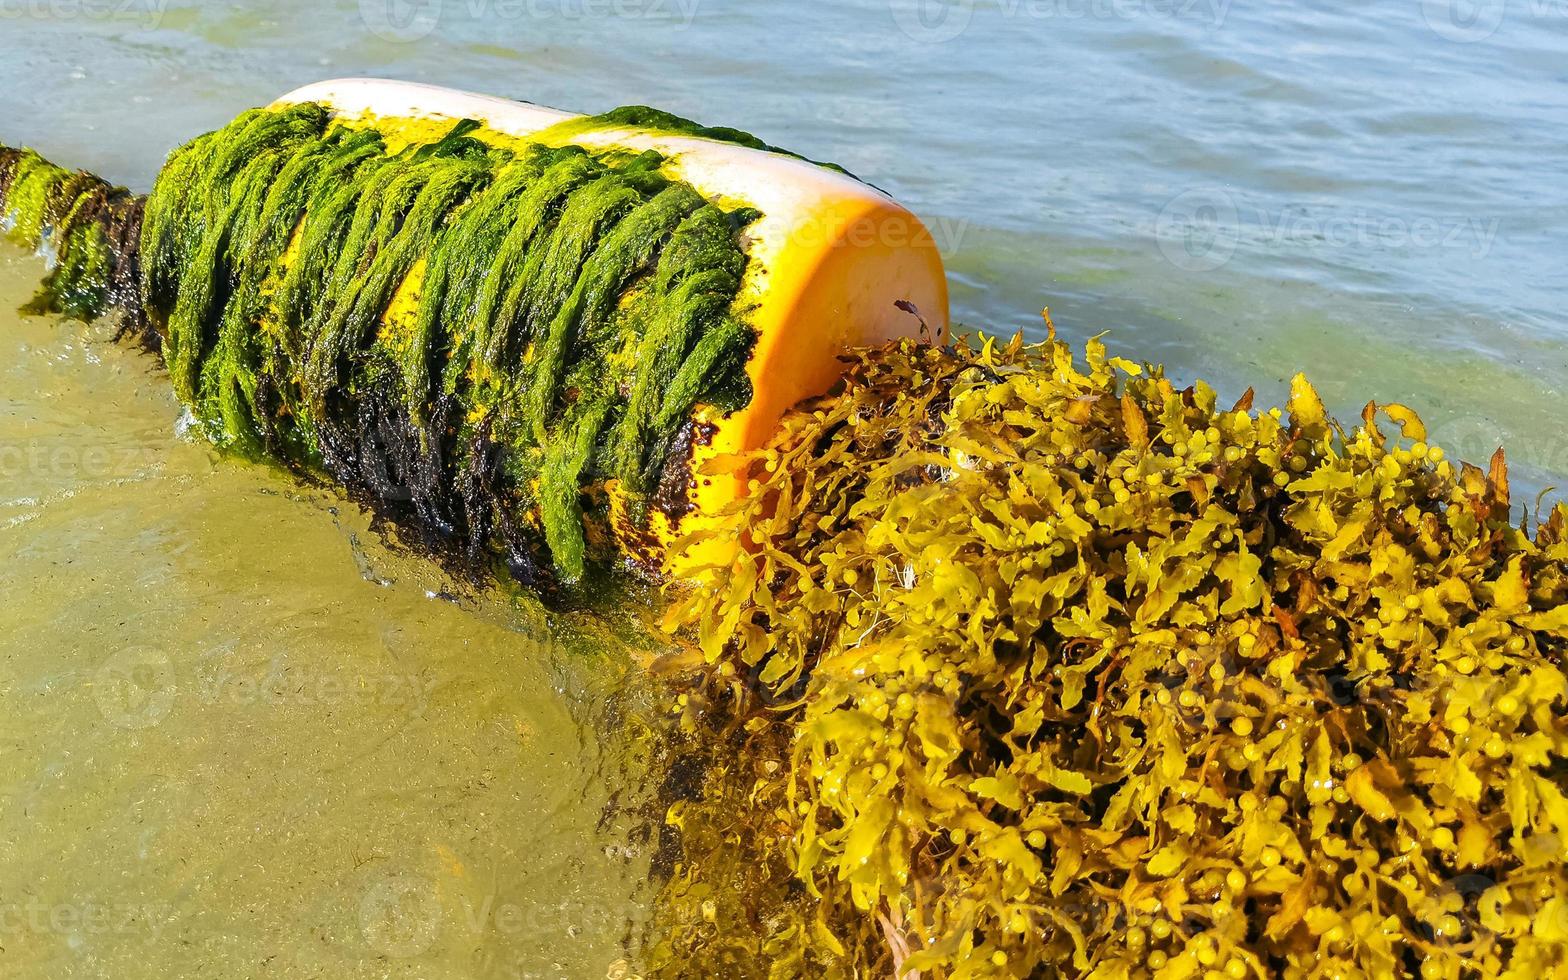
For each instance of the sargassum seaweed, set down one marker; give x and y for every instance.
(1038, 667)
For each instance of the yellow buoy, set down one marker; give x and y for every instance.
(830, 259)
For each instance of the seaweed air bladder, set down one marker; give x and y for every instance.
(999, 659)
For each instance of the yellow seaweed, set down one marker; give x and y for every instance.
(1038, 667)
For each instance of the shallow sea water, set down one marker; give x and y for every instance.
(243, 733)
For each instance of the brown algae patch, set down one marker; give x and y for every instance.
(1038, 667)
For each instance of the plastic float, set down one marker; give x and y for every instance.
(831, 258)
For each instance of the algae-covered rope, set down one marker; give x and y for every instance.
(90, 230)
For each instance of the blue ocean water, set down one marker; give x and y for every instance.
(1376, 194)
